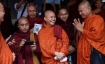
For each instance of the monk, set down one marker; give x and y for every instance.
(33, 15)
(6, 56)
(25, 54)
(66, 24)
(91, 33)
(99, 10)
(53, 41)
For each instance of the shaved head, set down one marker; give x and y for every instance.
(23, 24)
(48, 12)
(85, 4)
(85, 9)
(22, 18)
(49, 17)
(32, 10)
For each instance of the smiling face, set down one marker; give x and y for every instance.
(63, 14)
(50, 18)
(1, 13)
(85, 9)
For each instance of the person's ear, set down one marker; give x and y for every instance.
(18, 25)
(45, 18)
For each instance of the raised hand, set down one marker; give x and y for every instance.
(78, 25)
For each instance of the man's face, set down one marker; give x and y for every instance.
(32, 12)
(83, 11)
(1, 13)
(63, 14)
(99, 4)
(50, 18)
(23, 25)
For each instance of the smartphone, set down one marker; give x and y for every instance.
(29, 42)
(10, 39)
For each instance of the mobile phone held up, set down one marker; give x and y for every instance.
(29, 42)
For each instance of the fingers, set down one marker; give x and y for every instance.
(22, 42)
(8, 38)
(71, 49)
(13, 56)
(11, 42)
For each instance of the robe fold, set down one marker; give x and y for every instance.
(49, 44)
(24, 52)
(93, 36)
(6, 56)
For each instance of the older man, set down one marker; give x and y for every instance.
(91, 33)
(53, 41)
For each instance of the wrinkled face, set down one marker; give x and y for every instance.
(50, 18)
(32, 11)
(63, 14)
(23, 25)
(84, 11)
(99, 4)
(1, 13)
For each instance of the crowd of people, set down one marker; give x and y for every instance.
(70, 34)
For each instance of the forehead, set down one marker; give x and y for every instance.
(48, 14)
(31, 7)
(63, 11)
(82, 7)
(23, 21)
(98, 1)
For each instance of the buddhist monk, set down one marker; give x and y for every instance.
(66, 24)
(91, 33)
(33, 15)
(6, 56)
(53, 41)
(25, 54)
(99, 10)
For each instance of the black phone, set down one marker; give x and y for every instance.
(29, 42)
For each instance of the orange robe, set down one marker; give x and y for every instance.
(5, 53)
(49, 44)
(93, 36)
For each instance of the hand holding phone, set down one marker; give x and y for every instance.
(29, 42)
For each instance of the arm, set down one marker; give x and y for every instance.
(53, 6)
(44, 5)
(19, 4)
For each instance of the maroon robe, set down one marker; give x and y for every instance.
(102, 13)
(68, 27)
(25, 51)
(32, 21)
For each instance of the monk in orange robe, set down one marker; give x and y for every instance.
(6, 56)
(53, 41)
(91, 33)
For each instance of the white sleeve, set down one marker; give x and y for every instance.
(16, 8)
